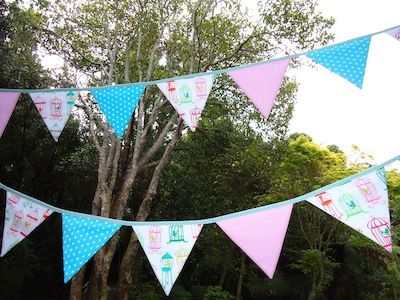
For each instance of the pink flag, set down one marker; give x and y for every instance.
(7, 104)
(260, 235)
(261, 83)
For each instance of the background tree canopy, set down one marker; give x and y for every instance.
(159, 170)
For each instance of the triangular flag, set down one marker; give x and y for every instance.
(167, 247)
(260, 235)
(21, 218)
(395, 32)
(118, 104)
(188, 97)
(261, 83)
(82, 238)
(54, 108)
(7, 104)
(362, 204)
(348, 59)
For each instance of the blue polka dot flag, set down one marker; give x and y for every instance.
(347, 60)
(82, 238)
(118, 104)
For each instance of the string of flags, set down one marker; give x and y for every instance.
(360, 201)
(188, 94)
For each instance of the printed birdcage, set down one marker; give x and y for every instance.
(166, 268)
(13, 199)
(186, 95)
(17, 221)
(70, 98)
(397, 35)
(350, 205)
(368, 191)
(196, 228)
(201, 87)
(195, 116)
(381, 174)
(29, 223)
(41, 106)
(55, 108)
(171, 89)
(380, 228)
(46, 214)
(328, 205)
(181, 256)
(155, 238)
(176, 233)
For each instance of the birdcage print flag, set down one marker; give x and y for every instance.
(118, 104)
(21, 218)
(167, 248)
(54, 108)
(347, 60)
(362, 204)
(260, 235)
(188, 97)
(261, 83)
(395, 32)
(7, 105)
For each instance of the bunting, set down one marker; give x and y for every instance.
(54, 108)
(82, 238)
(7, 104)
(167, 249)
(348, 59)
(118, 104)
(395, 32)
(21, 218)
(188, 97)
(261, 83)
(361, 204)
(260, 235)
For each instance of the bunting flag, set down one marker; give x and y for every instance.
(188, 97)
(167, 248)
(394, 33)
(21, 218)
(7, 104)
(82, 238)
(54, 108)
(261, 83)
(361, 204)
(260, 235)
(348, 59)
(118, 104)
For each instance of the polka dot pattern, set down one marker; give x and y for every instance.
(118, 104)
(347, 60)
(82, 238)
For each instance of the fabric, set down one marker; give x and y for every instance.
(361, 204)
(118, 104)
(394, 33)
(54, 108)
(167, 249)
(261, 83)
(188, 97)
(82, 238)
(347, 59)
(21, 218)
(260, 235)
(7, 105)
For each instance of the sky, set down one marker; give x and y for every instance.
(333, 111)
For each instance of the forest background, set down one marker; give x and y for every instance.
(159, 170)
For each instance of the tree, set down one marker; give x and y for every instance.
(123, 41)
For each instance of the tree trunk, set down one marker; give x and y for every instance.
(241, 275)
(124, 277)
(77, 284)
